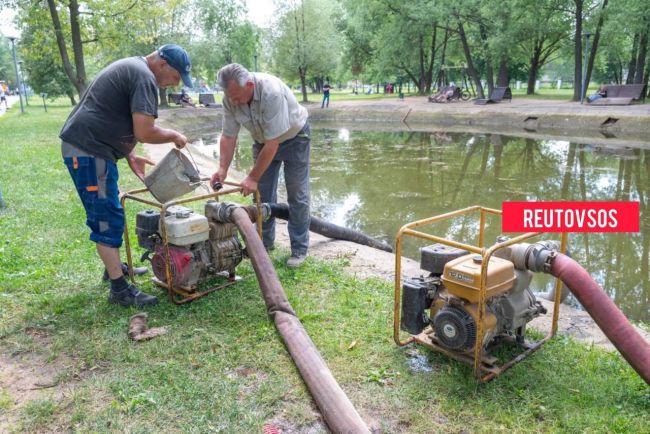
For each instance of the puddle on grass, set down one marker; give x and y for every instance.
(418, 362)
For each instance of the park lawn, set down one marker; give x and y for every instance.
(564, 94)
(222, 366)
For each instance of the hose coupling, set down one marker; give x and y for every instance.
(223, 212)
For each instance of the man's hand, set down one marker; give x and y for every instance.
(249, 186)
(180, 141)
(137, 164)
(219, 176)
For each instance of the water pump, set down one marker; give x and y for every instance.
(450, 293)
(200, 246)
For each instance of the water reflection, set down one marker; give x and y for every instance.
(378, 181)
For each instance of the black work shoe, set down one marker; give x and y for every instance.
(137, 271)
(132, 296)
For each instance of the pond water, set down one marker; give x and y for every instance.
(376, 182)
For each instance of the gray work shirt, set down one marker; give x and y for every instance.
(273, 112)
(102, 123)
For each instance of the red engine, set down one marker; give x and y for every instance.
(199, 246)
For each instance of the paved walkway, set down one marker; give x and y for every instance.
(518, 105)
(11, 101)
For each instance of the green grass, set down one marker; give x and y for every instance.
(222, 366)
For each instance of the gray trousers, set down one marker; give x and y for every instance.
(293, 154)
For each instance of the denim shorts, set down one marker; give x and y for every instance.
(96, 183)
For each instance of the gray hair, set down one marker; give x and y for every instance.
(233, 72)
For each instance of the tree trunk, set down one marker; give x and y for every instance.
(303, 82)
(502, 77)
(70, 95)
(577, 52)
(63, 50)
(470, 65)
(489, 70)
(421, 78)
(441, 73)
(77, 46)
(640, 60)
(631, 71)
(432, 57)
(534, 67)
(163, 97)
(594, 47)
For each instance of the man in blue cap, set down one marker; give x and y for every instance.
(118, 110)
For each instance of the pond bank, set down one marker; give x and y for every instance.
(363, 261)
(524, 115)
(603, 126)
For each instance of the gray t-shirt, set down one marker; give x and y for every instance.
(102, 123)
(273, 112)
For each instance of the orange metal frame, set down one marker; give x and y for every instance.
(476, 359)
(178, 295)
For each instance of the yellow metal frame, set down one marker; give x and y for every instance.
(178, 295)
(478, 356)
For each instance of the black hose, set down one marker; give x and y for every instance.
(330, 230)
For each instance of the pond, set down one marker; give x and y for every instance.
(376, 182)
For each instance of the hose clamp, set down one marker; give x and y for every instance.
(548, 261)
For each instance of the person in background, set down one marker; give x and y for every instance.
(279, 126)
(186, 100)
(444, 95)
(326, 96)
(3, 97)
(117, 110)
(602, 93)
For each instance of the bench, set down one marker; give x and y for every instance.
(498, 94)
(174, 98)
(622, 94)
(207, 100)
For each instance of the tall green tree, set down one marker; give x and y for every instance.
(7, 72)
(91, 34)
(43, 67)
(306, 40)
(221, 35)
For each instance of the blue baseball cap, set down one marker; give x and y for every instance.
(178, 59)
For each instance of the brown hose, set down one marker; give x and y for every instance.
(339, 413)
(607, 315)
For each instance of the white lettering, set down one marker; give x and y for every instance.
(612, 216)
(592, 218)
(569, 218)
(528, 218)
(581, 218)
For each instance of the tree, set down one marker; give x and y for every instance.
(77, 76)
(46, 74)
(7, 72)
(306, 41)
(99, 30)
(541, 34)
(224, 37)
